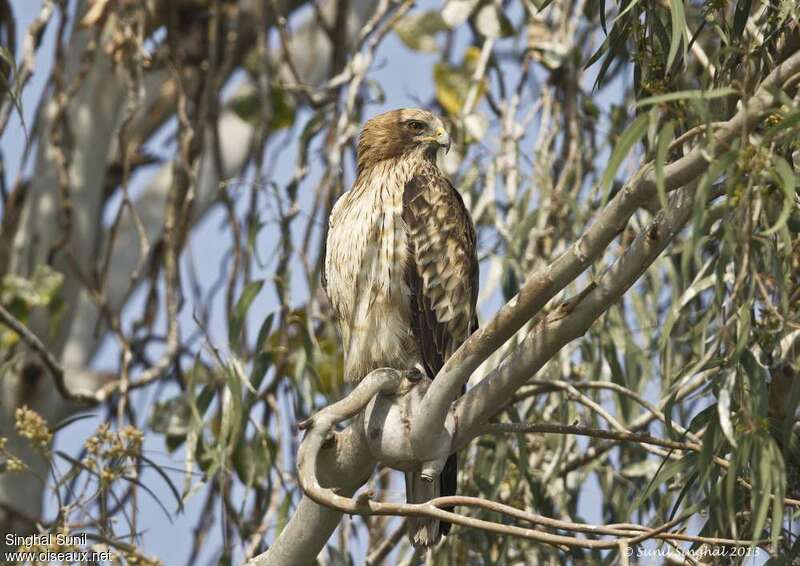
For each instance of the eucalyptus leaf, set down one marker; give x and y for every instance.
(678, 30)
(686, 95)
(762, 486)
(492, 22)
(724, 407)
(456, 12)
(786, 180)
(241, 309)
(418, 30)
(633, 133)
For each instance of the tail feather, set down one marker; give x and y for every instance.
(422, 531)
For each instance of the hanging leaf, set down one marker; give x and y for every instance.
(740, 16)
(762, 486)
(418, 31)
(629, 137)
(602, 10)
(492, 22)
(785, 179)
(664, 138)
(453, 82)
(686, 95)
(251, 459)
(678, 31)
(236, 321)
(456, 12)
(724, 407)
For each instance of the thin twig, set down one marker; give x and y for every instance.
(546, 428)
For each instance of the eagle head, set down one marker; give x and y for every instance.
(400, 132)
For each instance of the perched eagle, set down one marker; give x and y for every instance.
(401, 268)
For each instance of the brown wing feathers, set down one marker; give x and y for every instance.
(442, 268)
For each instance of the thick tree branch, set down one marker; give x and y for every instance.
(384, 381)
(364, 505)
(569, 321)
(344, 464)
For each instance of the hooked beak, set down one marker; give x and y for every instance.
(442, 139)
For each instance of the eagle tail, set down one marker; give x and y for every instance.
(424, 532)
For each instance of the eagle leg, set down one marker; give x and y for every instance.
(432, 468)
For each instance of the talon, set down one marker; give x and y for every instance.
(432, 469)
(413, 375)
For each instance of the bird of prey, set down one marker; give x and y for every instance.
(401, 268)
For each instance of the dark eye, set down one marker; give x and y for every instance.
(415, 125)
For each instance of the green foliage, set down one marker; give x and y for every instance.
(21, 296)
(240, 311)
(454, 81)
(40, 290)
(629, 137)
(249, 106)
(11, 83)
(419, 30)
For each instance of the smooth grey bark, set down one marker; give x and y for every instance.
(346, 465)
